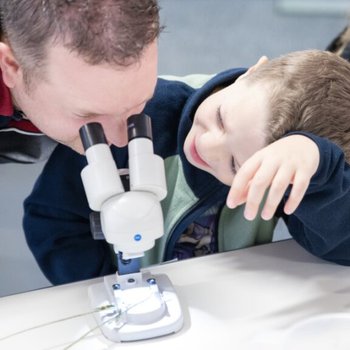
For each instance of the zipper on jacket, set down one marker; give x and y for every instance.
(187, 218)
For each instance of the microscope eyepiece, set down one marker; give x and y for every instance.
(92, 134)
(139, 125)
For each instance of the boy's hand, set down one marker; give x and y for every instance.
(291, 160)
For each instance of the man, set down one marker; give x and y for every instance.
(65, 63)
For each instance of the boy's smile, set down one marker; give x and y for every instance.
(195, 156)
(228, 127)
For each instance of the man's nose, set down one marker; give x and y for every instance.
(116, 129)
(116, 132)
(121, 138)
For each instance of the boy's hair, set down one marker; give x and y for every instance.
(310, 91)
(99, 31)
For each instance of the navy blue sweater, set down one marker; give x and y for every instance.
(56, 220)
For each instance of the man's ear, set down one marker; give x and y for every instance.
(9, 66)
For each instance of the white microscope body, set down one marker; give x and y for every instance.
(145, 306)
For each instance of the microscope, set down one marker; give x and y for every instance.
(133, 304)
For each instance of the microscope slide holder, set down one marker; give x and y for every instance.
(154, 316)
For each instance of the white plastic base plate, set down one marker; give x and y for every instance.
(142, 310)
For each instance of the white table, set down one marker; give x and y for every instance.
(275, 296)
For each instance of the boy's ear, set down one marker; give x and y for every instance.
(262, 60)
(9, 66)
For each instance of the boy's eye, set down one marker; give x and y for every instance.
(221, 125)
(233, 166)
(219, 118)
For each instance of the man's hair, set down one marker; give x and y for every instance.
(99, 31)
(309, 91)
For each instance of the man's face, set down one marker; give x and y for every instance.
(74, 93)
(228, 127)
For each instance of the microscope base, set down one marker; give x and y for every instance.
(145, 307)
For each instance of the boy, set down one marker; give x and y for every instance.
(264, 128)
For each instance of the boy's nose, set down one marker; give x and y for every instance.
(215, 148)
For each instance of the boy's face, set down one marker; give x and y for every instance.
(74, 93)
(228, 127)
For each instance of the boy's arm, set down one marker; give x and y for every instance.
(321, 222)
